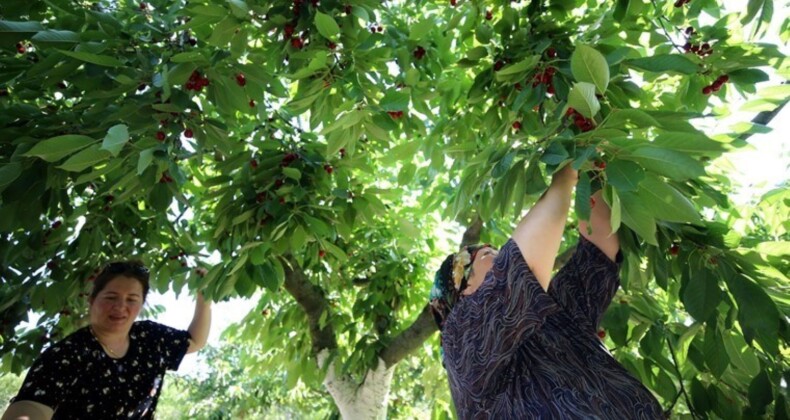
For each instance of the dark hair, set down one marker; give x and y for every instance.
(445, 294)
(130, 268)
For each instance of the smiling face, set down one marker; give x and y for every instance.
(116, 306)
(481, 265)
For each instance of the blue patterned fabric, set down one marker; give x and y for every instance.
(515, 351)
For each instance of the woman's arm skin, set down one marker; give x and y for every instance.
(539, 233)
(601, 234)
(201, 324)
(28, 410)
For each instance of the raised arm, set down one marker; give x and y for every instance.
(201, 324)
(539, 233)
(601, 230)
(28, 410)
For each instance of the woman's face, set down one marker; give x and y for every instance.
(116, 307)
(481, 265)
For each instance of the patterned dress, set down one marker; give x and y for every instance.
(77, 379)
(515, 351)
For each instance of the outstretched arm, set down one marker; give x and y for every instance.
(539, 233)
(201, 324)
(601, 233)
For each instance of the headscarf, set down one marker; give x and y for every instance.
(450, 281)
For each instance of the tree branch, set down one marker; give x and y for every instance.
(764, 118)
(423, 327)
(313, 301)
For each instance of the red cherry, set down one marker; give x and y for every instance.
(600, 164)
(143, 6)
(188, 133)
(498, 65)
(253, 163)
(551, 52)
(329, 169)
(288, 30)
(570, 112)
(252, 103)
(56, 224)
(707, 90)
(297, 43)
(517, 125)
(278, 183)
(160, 135)
(489, 15)
(331, 45)
(687, 47)
(321, 253)
(601, 334)
(518, 87)
(20, 48)
(453, 3)
(342, 153)
(674, 249)
(347, 9)
(240, 79)
(723, 78)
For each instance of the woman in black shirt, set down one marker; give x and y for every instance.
(114, 367)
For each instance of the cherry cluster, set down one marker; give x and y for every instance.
(545, 77)
(288, 159)
(166, 178)
(196, 82)
(716, 85)
(375, 27)
(580, 121)
(395, 114)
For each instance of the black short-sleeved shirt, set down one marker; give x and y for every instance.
(515, 351)
(78, 380)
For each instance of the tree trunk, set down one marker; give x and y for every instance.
(366, 401)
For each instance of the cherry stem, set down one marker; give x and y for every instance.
(661, 19)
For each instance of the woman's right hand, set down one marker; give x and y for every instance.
(567, 176)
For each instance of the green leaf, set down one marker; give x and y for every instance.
(701, 295)
(522, 66)
(688, 143)
(394, 100)
(748, 76)
(627, 117)
(756, 311)
(624, 175)
(740, 354)
(760, 392)
(419, 30)
(326, 25)
(292, 173)
(117, 136)
(555, 154)
(146, 157)
(239, 9)
(85, 159)
(588, 65)
(715, 354)
(160, 197)
(503, 165)
(20, 27)
(8, 173)
(582, 99)
(674, 165)
(56, 148)
(616, 216)
(637, 217)
(667, 203)
(100, 60)
(662, 63)
(699, 396)
(56, 37)
(582, 200)
(195, 56)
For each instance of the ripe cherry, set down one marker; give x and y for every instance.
(20, 48)
(707, 90)
(253, 163)
(517, 125)
(329, 169)
(188, 133)
(240, 79)
(551, 52)
(160, 135)
(321, 253)
(297, 43)
(601, 334)
(252, 103)
(674, 249)
(489, 15)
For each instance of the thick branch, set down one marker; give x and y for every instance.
(313, 301)
(412, 337)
